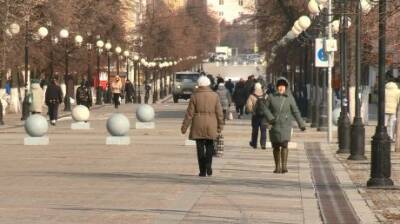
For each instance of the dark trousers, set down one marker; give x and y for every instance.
(116, 100)
(53, 111)
(240, 109)
(205, 150)
(257, 124)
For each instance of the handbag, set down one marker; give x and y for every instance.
(230, 116)
(219, 146)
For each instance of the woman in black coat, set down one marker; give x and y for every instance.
(240, 97)
(53, 99)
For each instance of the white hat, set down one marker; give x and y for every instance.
(204, 81)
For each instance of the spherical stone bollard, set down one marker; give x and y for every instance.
(336, 115)
(36, 125)
(145, 113)
(80, 113)
(118, 125)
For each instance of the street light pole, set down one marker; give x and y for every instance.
(380, 155)
(25, 104)
(357, 147)
(344, 120)
(99, 94)
(67, 102)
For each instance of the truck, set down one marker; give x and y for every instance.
(223, 53)
(185, 83)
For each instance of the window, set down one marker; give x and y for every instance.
(241, 2)
(221, 2)
(221, 13)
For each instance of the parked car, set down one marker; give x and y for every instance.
(184, 85)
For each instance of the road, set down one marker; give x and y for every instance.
(78, 179)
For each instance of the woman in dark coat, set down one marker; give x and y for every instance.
(53, 99)
(239, 97)
(280, 111)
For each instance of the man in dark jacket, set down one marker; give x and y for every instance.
(53, 99)
(249, 85)
(280, 109)
(230, 86)
(84, 95)
(129, 90)
(239, 97)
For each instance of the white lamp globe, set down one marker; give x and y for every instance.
(64, 33)
(304, 22)
(78, 39)
(100, 44)
(108, 46)
(313, 7)
(43, 32)
(126, 53)
(143, 61)
(297, 26)
(290, 35)
(118, 50)
(365, 6)
(296, 32)
(14, 28)
(335, 26)
(136, 57)
(322, 2)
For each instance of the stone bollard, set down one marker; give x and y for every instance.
(118, 126)
(36, 127)
(145, 115)
(81, 115)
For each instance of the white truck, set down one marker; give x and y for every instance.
(223, 53)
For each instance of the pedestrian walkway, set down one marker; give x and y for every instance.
(78, 179)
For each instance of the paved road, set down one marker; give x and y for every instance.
(78, 179)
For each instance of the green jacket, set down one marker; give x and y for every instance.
(281, 110)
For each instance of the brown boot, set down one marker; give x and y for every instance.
(277, 158)
(284, 158)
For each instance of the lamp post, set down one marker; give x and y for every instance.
(64, 34)
(89, 48)
(380, 155)
(99, 45)
(155, 81)
(25, 104)
(136, 82)
(118, 51)
(357, 146)
(108, 47)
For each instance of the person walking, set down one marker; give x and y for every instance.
(116, 88)
(280, 109)
(255, 105)
(249, 85)
(129, 90)
(230, 86)
(53, 99)
(36, 98)
(239, 98)
(205, 118)
(225, 99)
(84, 95)
(147, 88)
(392, 95)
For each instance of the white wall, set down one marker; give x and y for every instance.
(231, 9)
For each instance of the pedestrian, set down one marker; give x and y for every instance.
(36, 98)
(116, 88)
(53, 99)
(280, 111)
(255, 105)
(230, 86)
(129, 90)
(225, 99)
(239, 98)
(249, 86)
(147, 89)
(392, 95)
(84, 95)
(205, 118)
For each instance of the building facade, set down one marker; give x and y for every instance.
(230, 10)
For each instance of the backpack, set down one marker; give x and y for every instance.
(260, 105)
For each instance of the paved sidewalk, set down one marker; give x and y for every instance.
(78, 179)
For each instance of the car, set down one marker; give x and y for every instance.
(184, 85)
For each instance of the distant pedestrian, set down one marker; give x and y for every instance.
(249, 85)
(36, 98)
(392, 97)
(116, 88)
(53, 99)
(225, 99)
(129, 91)
(84, 95)
(205, 118)
(256, 104)
(239, 97)
(280, 110)
(147, 88)
(230, 86)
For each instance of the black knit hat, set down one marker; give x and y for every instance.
(282, 82)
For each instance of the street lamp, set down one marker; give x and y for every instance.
(64, 34)
(99, 45)
(108, 47)
(357, 146)
(136, 81)
(380, 155)
(118, 51)
(42, 32)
